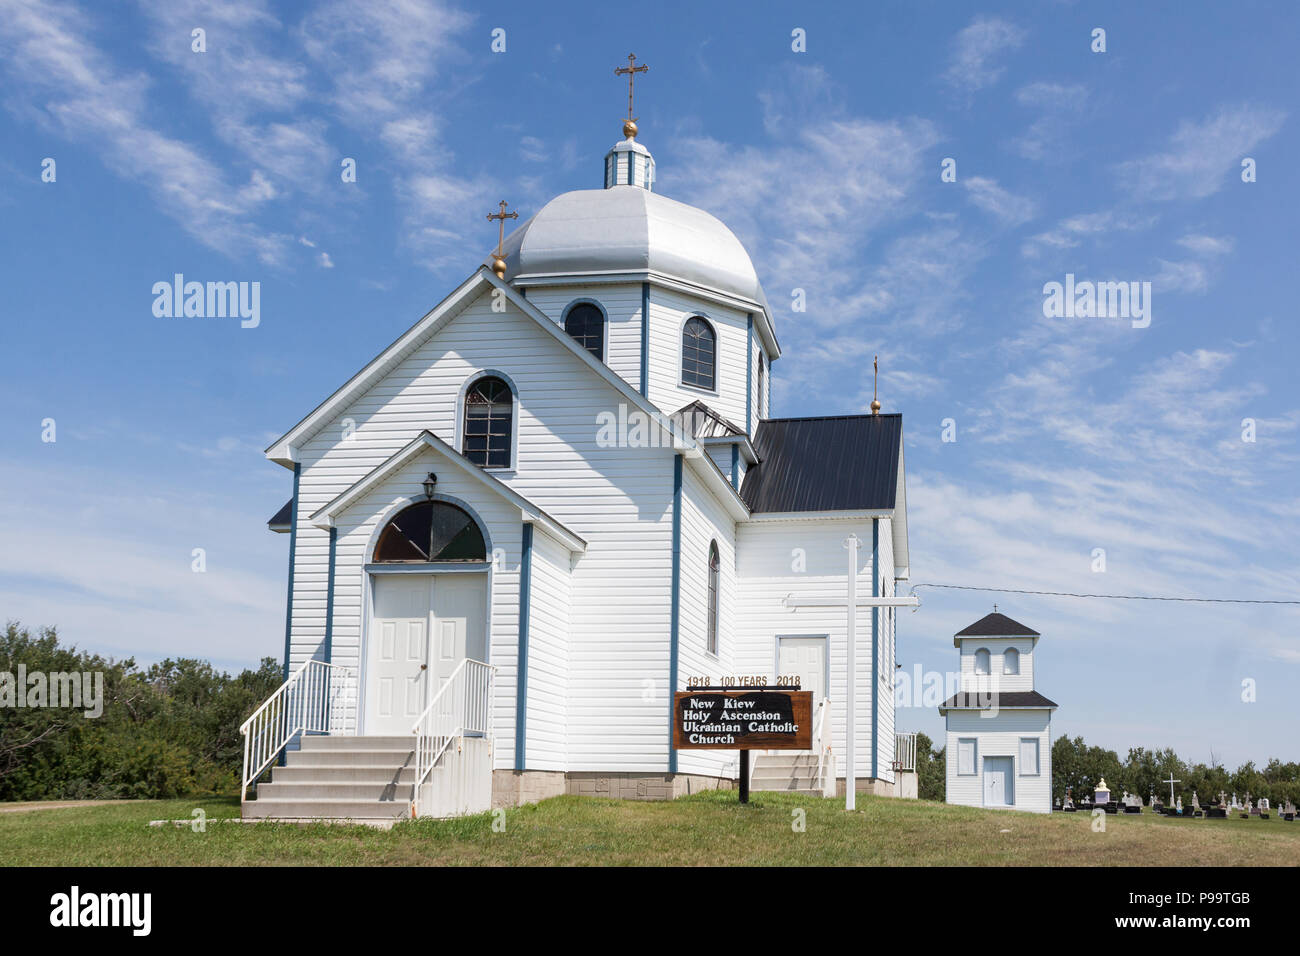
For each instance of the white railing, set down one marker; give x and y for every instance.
(904, 751)
(315, 699)
(822, 741)
(462, 707)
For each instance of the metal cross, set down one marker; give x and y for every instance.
(502, 216)
(631, 70)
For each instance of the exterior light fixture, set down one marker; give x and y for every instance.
(430, 483)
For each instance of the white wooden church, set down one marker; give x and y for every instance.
(557, 497)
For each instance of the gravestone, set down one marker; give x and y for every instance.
(1101, 795)
(1196, 805)
(1132, 803)
(1288, 811)
(1264, 808)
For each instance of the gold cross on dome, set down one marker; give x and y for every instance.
(501, 217)
(630, 71)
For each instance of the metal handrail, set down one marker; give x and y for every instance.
(314, 699)
(462, 705)
(824, 761)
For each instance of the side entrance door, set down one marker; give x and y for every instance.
(998, 782)
(805, 658)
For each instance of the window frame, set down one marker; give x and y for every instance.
(681, 354)
(974, 755)
(988, 662)
(471, 519)
(604, 327)
(1011, 653)
(462, 417)
(1020, 758)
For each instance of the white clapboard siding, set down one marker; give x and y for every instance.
(888, 621)
(705, 520)
(622, 305)
(668, 313)
(548, 655)
(617, 499)
(996, 647)
(1000, 737)
(770, 553)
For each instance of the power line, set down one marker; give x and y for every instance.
(1112, 597)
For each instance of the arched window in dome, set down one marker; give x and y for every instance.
(430, 531)
(715, 568)
(488, 424)
(586, 323)
(699, 354)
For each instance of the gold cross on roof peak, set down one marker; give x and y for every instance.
(498, 263)
(630, 71)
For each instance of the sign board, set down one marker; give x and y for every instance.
(767, 719)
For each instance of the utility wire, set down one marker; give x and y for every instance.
(1113, 597)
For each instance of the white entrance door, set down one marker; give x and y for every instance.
(459, 612)
(805, 658)
(397, 676)
(998, 783)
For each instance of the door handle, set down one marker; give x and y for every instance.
(424, 667)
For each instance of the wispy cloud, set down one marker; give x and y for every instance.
(1012, 210)
(1201, 155)
(977, 51)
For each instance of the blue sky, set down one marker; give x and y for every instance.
(1072, 434)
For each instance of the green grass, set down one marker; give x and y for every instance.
(708, 828)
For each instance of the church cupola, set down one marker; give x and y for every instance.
(629, 163)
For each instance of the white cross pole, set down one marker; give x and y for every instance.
(851, 603)
(1171, 781)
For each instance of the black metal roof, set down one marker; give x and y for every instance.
(997, 625)
(837, 463)
(282, 519)
(977, 700)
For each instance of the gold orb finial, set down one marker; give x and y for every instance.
(875, 407)
(875, 377)
(499, 267)
(629, 129)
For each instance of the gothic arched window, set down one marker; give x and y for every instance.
(586, 323)
(982, 662)
(489, 414)
(715, 568)
(1011, 661)
(699, 354)
(430, 531)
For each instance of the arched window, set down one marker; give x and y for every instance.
(1011, 661)
(586, 323)
(489, 413)
(430, 531)
(699, 354)
(982, 661)
(715, 568)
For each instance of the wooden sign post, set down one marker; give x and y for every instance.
(727, 718)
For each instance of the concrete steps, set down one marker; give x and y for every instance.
(339, 778)
(788, 773)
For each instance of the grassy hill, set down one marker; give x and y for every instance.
(709, 828)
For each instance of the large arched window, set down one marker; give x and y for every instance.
(489, 415)
(586, 323)
(982, 662)
(715, 569)
(699, 354)
(430, 531)
(1011, 661)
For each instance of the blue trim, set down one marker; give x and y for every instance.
(749, 371)
(735, 465)
(293, 540)
(875, 648)
(521, 672)
(645, 338)
(676, 605)
(329, 598)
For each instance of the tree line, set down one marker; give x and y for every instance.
(167, 730)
